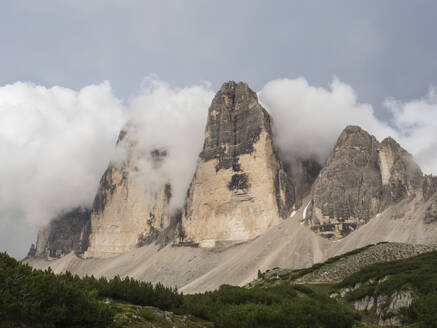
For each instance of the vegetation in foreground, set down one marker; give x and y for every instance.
(418, 274)
(35, 298)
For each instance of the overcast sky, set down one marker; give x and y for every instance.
(381, 49)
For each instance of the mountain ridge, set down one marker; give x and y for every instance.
(247, 208)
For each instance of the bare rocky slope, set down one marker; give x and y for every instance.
(246, 208)
(290, 244)
(337, 268)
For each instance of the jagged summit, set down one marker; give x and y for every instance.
(347, 192)
(235, 121)
(240, 187)
(361, 178)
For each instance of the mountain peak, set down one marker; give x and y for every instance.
(361, 178)
(355, 136)
(239, 181)
(235, 122)
(232, 93)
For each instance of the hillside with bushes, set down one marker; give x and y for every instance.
(401, 292)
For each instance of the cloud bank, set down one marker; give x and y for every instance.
(55, 142)
(308, 119)
(173, 120)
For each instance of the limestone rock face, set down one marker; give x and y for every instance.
(240, 187)
(348, 190)
(401, 176)
(127, 213)
(360, 179)
(67, 232)
(387, 306)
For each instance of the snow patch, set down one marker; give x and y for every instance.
(293, 213)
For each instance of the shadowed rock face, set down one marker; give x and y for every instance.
(429, 186)
(241, 187)
(66, 233)
(348, 191)
(360, 179)
(235, 122)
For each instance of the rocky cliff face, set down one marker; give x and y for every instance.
(387, 306)
(66, 233)
(360, 179)
(127, 213)
(429, 186)
(401, 176)
(240, 187)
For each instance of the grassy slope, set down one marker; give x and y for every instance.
(135, 316)
(300, 297)
(372, 269)
(339, 267)
(418, 273)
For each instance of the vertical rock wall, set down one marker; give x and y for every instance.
(66, 233)
(360, 179)
(240, 187)
(126, 212)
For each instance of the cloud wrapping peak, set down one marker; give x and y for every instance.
(308, 120)
(170, 119)
(417, 122)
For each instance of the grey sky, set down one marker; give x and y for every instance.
(381, 48)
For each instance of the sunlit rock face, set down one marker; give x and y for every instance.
(126, 211)
(240, 187)
(401, 176)
(361, 177)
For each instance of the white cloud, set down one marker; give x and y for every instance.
(173, 119)
(55, 142)
(417, 123)
(308, 119)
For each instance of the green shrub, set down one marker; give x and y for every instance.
(35, 298)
